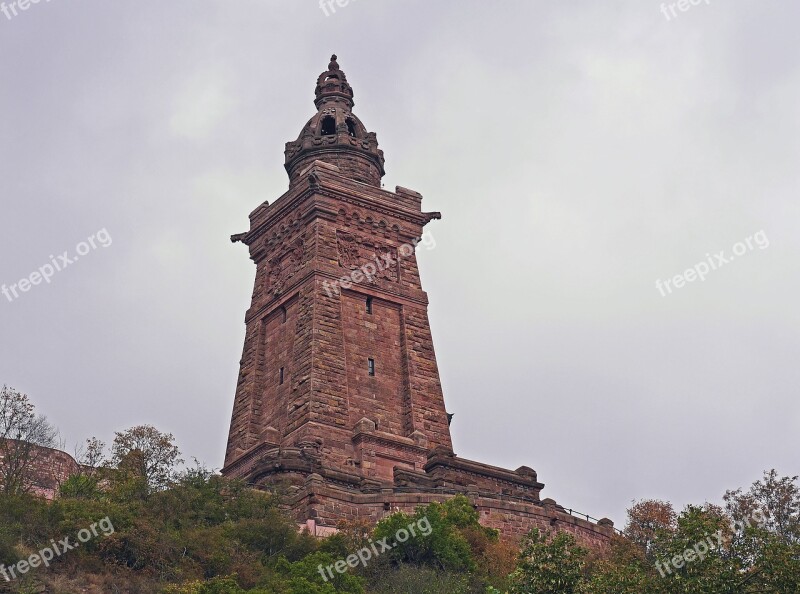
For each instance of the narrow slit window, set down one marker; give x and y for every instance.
(280, 378)
(283, 315)
(371, 366)
(369, 305)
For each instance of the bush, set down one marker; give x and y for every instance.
(549, 564)
(444, 547)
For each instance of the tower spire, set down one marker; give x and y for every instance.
(335, 135)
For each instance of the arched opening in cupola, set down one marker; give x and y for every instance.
(351, 127)
(328, 126)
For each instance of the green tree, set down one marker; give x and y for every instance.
(440, 542)
(304, 577)
(623, 569)
(146, 454)
(549, 564)
(766, 535)
(749, 547)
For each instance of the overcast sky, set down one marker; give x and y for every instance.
(578, 154)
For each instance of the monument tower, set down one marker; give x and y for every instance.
(339, 398)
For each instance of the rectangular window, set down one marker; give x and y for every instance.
(281, 376)
(371, 366)
(369, 305)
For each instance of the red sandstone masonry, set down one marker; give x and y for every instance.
(48, 470)
(335, 336)
(344, 443)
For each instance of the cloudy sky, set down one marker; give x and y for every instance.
(578, 154)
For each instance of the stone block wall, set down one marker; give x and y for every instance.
(321, 504)
(47, 470)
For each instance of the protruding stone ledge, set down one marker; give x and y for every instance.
(320, 165)
(450, 470)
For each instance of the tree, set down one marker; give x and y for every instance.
(648, 519)
(700, 546)
(749, 547)
(85, 484)
(549, 564)
(91, 456)
(443, 545)
(23, 434)
(773, 500)
(147, 454)
(766, 538)
(448, 550)
(624, 569)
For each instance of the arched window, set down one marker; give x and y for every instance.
(351, 127)
(328, 126)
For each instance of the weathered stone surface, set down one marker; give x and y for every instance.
(46, 469)
(339, 393)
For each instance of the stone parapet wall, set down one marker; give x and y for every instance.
(506, 500)
(47, 469)
(323, 505)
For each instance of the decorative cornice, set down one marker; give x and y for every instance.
(315, 183)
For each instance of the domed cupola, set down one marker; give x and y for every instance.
(336, 136)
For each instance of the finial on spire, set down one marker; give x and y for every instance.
(332, 85)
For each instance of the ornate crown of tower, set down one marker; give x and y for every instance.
(335, 135)
(339, 397)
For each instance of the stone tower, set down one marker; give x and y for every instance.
(338, 357)
(339, 398)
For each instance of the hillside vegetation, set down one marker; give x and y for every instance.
(131, 524)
